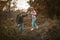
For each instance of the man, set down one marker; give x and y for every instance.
(19, 21)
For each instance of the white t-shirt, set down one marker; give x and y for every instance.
(33, 13)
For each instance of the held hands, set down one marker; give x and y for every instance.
(18, 24)
(28, 12)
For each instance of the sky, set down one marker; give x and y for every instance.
(22, 4)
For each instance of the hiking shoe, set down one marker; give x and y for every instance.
(36, 27)
(32, 29)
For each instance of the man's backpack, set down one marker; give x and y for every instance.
(17, 18)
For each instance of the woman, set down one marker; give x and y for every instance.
(34, 17)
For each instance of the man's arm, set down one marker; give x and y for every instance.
(25, 15)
